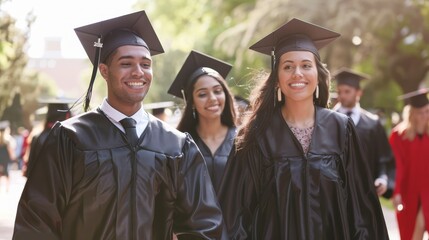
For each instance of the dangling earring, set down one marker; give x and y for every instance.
(275, 97)
(279, 95)
(193, 113)
(317, 91)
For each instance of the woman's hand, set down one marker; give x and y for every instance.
(397, 202)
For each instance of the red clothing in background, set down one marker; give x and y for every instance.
(412, 183)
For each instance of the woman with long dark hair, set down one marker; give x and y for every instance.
(209, 114)
(298, 172)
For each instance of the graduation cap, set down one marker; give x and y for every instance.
(349, 77)
(295, 35)
(100, 39)
(417, 98)
(196, 65)
(158, 107)
(57, 109)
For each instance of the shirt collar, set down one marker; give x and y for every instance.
(139, 116)
(355, 110)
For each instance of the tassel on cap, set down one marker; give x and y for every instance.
(98, 45)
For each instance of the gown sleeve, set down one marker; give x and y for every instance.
(238, 193)
(197, 214)
(366, 217)
(386, 159)
(46, 191)
(383, 148)
(394, 141)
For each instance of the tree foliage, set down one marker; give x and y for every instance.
(393, 36)
(182, 26)
(393, 47)
(15, 80)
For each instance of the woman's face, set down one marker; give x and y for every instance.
(297, 74)
(421, 116)
(209, 97)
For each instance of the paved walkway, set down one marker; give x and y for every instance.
(9, 201)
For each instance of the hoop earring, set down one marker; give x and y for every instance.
(317, 91)
(193, 113)
(279, 95)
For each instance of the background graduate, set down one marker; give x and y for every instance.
(372, 135)
(410, 145)
(58, 110)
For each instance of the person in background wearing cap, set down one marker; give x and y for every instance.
(298, 171)
(372, 135)
(159, 109)
(7, 152)
(117, 172)
(209, 114)
(410, 144)
(58, 110)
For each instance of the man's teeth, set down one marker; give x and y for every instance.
(135, 83)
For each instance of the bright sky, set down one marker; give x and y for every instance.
(58, 18)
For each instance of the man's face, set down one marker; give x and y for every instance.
(348, 96)
(128, 75)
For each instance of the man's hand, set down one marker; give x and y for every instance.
(380, 185)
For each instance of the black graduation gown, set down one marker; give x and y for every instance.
(36, 144)
(89, 183)
(275, 191)
(376, 147)
(216, 163)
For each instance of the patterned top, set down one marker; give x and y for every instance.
(303, 135)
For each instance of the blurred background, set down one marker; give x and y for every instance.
(41, 57)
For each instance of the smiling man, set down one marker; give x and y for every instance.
(117, 172)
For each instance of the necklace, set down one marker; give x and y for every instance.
(301, 124)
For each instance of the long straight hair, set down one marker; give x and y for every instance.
(264, 104)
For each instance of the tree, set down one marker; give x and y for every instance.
(12, 61)
(182, 26)
(14, 78)
(393, 35)
(386, 39)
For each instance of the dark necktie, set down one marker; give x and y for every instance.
(129, 125)
(349, 113)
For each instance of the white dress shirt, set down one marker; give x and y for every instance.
(141, 117)
(355, 111)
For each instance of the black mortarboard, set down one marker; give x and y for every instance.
(349, 77)
(417, 98)
(158, 107)
(295, 35)
(196, 65)
(100, 39)
(57, 109)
